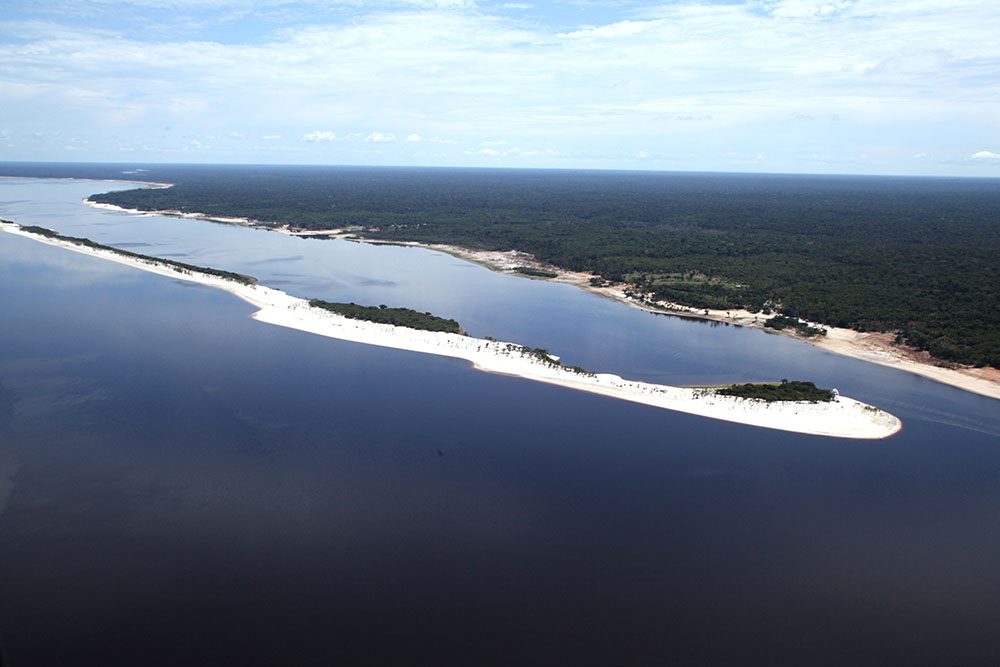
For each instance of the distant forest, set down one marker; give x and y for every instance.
(919, 257)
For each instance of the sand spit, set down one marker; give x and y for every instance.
(843, 417)
(170, 213)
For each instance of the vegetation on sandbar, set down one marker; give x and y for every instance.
(794, 390)
(404, 317)
(181, 266)
(546, 357)
(400, 317)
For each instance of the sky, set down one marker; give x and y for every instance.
(908, 87)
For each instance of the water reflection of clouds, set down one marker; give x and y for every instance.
(8, 397)
(39, 389)
(304, 285)
(375, 282)
(276, 260)
(49, 266)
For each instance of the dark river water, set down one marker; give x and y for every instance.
(182, 485)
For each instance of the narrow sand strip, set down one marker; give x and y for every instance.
(843, 417)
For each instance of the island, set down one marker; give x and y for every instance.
(838, 417)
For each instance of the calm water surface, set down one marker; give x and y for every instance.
(183, 485)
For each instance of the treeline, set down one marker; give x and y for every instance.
(534, 273)
(919, 257)
(793, 390)
(400, 317)
(190, 268)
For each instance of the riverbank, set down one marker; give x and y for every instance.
(877, 348)
(843, 417)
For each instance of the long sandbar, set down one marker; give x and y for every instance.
(842, 417)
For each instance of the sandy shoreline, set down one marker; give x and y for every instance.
(870, 347)
(843, 417)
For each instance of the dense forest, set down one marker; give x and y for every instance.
(919, 257)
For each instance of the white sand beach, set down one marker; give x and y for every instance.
(843, 417)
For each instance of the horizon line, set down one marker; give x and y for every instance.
(496, 168)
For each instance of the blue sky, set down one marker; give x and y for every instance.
(813, 86)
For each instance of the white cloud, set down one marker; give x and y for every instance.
(612, 31)
(319, 135)
(416, 138)
(985, 155)
(906, 76)
(513, 151)
(380, 138)
(805, 9)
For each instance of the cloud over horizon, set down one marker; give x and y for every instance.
(320, 135)
(689, 83)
